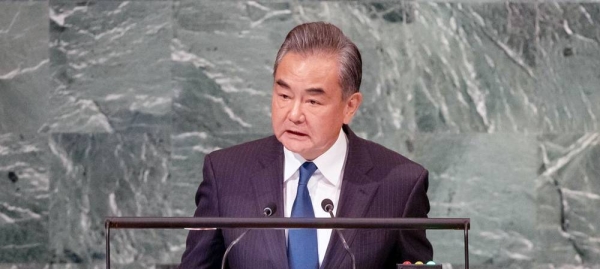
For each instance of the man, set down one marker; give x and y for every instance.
(313, 155)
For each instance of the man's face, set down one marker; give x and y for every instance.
(307, 106)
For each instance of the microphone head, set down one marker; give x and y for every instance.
(327, 205)
(270, 209)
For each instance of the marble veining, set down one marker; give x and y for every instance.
(24, 189)
(107, 108)
(111, 66)
(23, 66)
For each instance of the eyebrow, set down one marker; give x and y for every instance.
(312, 91)
(315, 91)
(282, 83)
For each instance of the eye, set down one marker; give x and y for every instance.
(313, 102)
(284, 96)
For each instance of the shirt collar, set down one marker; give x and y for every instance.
(330, 163)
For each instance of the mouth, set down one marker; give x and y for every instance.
(296, 133)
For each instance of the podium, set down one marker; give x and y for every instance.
(290, 223)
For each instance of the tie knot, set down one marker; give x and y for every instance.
(306, 171)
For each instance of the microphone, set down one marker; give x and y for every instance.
(268, 211)
(327, 206)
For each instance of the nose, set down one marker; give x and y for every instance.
(296, 115)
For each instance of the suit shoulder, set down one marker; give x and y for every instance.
(245, 150)
(383, 156)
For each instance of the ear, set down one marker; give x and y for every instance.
(351, 107)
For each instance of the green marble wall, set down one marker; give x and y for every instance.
(107, 108)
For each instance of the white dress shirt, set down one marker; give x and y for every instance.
(325, 183)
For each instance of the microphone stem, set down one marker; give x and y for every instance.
(347, 248)
(344, 242)
(230, 247)
(267, 211)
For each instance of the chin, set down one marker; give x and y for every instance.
(294, 146)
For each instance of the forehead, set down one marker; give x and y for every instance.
(320, 67)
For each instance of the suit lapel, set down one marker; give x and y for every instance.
(358, 191)
(267, 182)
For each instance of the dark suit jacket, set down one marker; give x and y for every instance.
(378, 183)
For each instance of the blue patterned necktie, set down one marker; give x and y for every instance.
(302, 243)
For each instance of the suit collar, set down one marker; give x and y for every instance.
(358, 191)
(357, 187)
(268, 188)
(266, 179)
